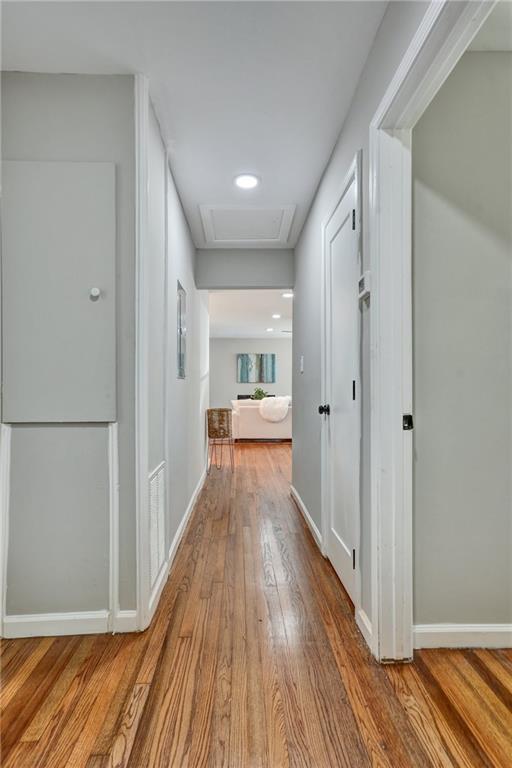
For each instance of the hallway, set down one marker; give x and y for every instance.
(253, 659)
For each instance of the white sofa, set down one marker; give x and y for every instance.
(248, 424)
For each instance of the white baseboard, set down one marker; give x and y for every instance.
(463, 636)
(166, 566)
(125, 621)
(365, 627)
(307, 517)
(49, 624)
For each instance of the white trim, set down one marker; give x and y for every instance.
(463, 636)
(168, 359)
(365, 626)
(113, 474)
(442, 37)
(391, 394)
(307, 517)
(141, 350)
(49, 624)
(5, 475)
(125, 621)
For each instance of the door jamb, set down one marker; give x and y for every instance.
(441, 39)
(353, 175)
(143, 586)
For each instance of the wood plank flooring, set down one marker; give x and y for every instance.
(253, 659)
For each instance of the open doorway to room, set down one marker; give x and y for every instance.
(462, 349)
(251, 368)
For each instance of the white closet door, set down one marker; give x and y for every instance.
(342, 372)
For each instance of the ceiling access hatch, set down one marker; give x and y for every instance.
(239, 226)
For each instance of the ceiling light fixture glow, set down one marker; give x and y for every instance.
(246, 181)
(276, 317)
(287, 295)
(270, 330)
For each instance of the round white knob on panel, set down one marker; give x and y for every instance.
(94, 293)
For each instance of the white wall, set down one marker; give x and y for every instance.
(58, 544)
(462, 267)
(58, 553)
(245, 268)
(187, 398)
(176, 407)
(157, 160)
(394, 35)
(223, 383)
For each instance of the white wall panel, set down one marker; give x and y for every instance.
(58, 245)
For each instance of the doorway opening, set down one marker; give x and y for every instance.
(250, 368)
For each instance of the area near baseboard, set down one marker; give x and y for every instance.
(365, 626)
(125, 621)
(96, 622)
(307, 517)
(463, 636)
(164, 572)
(49, 624)
(186, 517)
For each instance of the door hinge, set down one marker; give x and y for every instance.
(353, 559)
(353, 218)
(407, 422)
(353, 389)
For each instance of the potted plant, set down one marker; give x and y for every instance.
(259, 394)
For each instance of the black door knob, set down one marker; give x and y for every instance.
(324, 409)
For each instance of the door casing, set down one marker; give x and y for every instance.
(441, 39)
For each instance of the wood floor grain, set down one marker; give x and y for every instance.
(253, 660)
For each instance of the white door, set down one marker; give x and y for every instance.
(342, 385)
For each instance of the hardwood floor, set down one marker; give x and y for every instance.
(253, 659)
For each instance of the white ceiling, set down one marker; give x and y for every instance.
(247, 314)
(260, 87)
(496, 33)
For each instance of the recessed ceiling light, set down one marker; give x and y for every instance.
(287, 295)
(276, 317)
(246, 181)
(270, 330)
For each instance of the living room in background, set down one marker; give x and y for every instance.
(251, 359)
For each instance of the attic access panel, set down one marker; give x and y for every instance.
(238, 226)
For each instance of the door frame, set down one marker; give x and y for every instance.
(143, 585)
(353, 175)
(441, 39)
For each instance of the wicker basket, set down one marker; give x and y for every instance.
(219, 424)
(220, 430)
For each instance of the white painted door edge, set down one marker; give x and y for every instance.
(441, 39)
